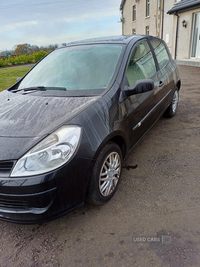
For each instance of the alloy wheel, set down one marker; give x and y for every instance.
(175, 101)
(110, 174)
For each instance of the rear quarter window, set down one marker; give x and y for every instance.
(160, 52)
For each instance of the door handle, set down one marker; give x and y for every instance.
(161, 84)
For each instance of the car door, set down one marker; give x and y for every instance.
(167, 84)
(140, 110)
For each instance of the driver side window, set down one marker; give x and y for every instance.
(141, 63)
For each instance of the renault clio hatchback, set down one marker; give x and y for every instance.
(66, 126)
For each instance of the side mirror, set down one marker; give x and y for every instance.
(140, 86)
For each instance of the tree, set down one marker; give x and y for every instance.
(35, 48)
(21, 49)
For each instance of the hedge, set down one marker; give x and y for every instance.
(23, 59)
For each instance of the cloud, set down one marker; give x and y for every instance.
(91, 16)
(42, 22)
(17, 25)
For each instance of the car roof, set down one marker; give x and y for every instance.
(119, 39)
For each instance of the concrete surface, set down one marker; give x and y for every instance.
(17, 66)
(153, 219)
(189, 62)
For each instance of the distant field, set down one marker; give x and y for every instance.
(9, 76)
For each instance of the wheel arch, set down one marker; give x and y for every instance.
(178, 85)
(117, 138)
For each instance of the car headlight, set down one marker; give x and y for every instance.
(51, 153)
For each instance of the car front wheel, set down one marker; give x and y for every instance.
(106, 174)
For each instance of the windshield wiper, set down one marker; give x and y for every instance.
(40, 88)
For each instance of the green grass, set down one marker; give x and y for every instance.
(8, 76)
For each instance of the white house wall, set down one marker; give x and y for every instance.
(168, 28)
(185, 34)
(153, 21)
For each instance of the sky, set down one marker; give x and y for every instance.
(44, 22)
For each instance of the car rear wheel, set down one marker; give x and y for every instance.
(106, 174)
(171, 110)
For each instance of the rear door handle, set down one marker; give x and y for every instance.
(161, 84)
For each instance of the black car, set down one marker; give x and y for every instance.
(67, 125)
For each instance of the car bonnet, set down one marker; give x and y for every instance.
(34, 116)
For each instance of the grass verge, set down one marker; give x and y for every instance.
(8, 76)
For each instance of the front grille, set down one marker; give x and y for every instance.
(6, 167)
(27, 203)
(13, 204)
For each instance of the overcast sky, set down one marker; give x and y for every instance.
(43, 22)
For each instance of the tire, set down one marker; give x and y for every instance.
(106, 175)
(172, 109)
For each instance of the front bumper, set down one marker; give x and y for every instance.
(41, 198)
(37, 203)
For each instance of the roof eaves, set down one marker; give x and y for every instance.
(122, 4)
(183, 6)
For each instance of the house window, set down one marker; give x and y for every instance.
(147, 30)
(195, 46)
(134, 31)
(147, 8)
(134, 13)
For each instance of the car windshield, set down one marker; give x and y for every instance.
(83, 69)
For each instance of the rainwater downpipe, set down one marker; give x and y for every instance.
(163, 13)
(176, 42)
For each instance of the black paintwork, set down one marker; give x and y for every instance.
(27, 119)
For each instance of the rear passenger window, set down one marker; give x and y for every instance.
(141, 63)
(161, 52)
